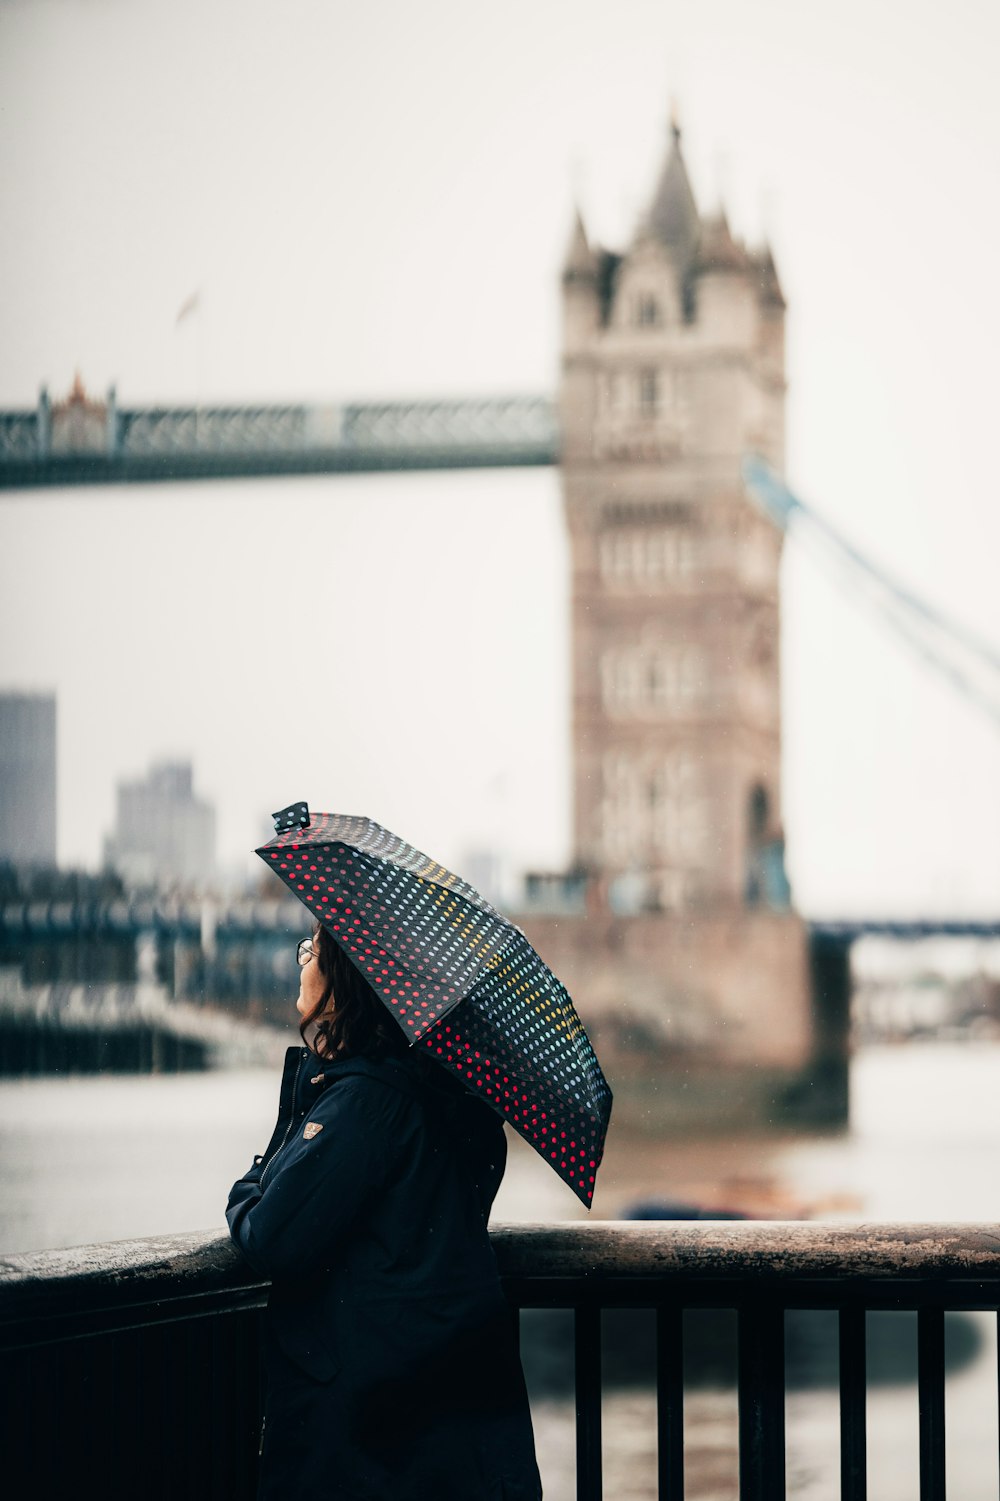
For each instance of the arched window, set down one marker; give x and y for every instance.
(759, 811)
(647, 311)
(766, 879)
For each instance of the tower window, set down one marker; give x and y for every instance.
(647, 311)
(759, 811)
(651, 680)
(649, 393)
(650, 557)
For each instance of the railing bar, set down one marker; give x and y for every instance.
(36, 1333)
(853, 1417)
(930, 1388)
(849, 1292)
(670, 1402)
(762, 1401)
(587, 1332)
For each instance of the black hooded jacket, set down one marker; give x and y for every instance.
(391, 1367)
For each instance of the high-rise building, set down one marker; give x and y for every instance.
(164, 835)
(673, 370)
(28, 778)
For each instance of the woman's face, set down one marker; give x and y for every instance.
(311, 982)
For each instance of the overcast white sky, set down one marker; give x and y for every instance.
(374, 200)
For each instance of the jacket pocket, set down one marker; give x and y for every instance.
(514, 1490)
(305, 1340)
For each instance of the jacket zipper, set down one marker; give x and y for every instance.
(284, 1143)
(288, 1129)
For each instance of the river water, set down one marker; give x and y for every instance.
(95, 1159)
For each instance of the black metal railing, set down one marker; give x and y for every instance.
(132, 1369)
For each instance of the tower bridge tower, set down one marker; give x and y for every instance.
(673, 369)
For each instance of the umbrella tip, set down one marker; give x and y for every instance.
(295, 816)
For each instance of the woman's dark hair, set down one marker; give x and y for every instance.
(359, 1023)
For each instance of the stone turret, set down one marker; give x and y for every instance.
(581, 280)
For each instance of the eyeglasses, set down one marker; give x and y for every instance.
(304, 951)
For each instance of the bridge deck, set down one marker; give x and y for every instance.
(99, 444)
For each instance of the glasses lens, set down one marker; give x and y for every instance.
(304, 952)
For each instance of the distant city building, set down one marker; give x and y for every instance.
(164, 835)
(28, 778)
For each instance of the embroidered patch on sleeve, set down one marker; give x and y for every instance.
(312, 1128)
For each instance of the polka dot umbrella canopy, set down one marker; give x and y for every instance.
(460, 979)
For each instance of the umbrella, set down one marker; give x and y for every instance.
(460, 979)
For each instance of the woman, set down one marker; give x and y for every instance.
(391, 1367)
